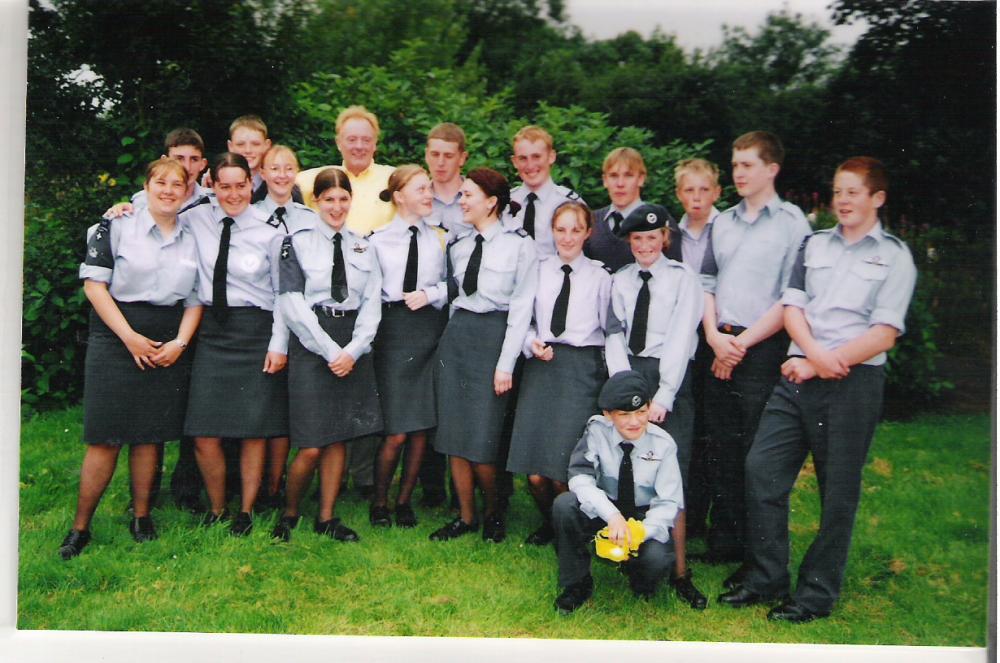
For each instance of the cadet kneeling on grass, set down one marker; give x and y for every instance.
(621, 468)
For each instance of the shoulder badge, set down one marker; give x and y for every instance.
(572, 195)
(521, 232)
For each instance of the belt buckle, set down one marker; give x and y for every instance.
(334, 313)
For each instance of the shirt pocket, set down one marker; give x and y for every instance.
(359, 267)
(179, 277)
(863, 281)
(819, 274)
(135, 271)
(644, 472)
(500, 270)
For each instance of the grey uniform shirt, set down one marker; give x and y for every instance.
(139, 264)
(747, 263)
(675, 308)
(550, 196)
(593, 475)
(448, 215)
(692, 246)
(586, 314)
(296, 217)
(391, 243)
(306, 274)
(252, 268)
(844, 288)
(508, 279)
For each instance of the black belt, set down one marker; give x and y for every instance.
(397, 304)
(731, 329)
(331, 312)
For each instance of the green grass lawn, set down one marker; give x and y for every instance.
(917, 573)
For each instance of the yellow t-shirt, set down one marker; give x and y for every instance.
(368, 212)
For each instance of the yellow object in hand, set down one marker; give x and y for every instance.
(608, 549)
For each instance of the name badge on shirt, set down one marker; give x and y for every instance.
(359, 249)
(875, 260)
(649, 455)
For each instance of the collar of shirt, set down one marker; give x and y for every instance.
(490, 233)
(147, 226)
(270, 204)
(658, 265)
(577, 263)
(683, 224)
(401, 226)
(244, 220)
(771, 207)
(876, 233)
(454, 199)
(543, 192)
(364, 174)
(328, 232)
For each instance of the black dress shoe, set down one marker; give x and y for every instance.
(737, 577)
(212, 518)
(189, 503)
(494, 528)
(542, 536)
(336, 530)
(688, 593)
(454, 529)
(379, 516)
(741, 597)
(575, 595)
(242, 524)
(74, 543)
(283, 530)
(142, 529)
(795, 613)
(405, 516)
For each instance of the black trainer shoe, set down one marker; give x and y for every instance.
(454, 529)
(575, 595)
(688, 592)
(542, 536)
(379, 516)
(242, 524)
(142, 529)
(74, 543)
(283, 530)
(336, 530)
(494, 528)
(405, 516)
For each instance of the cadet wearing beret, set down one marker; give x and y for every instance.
(844, 308)
(656, 304)
(621, 468)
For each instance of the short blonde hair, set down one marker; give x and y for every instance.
(449, 132)
(249, 122)
(165, 165)
(277, 149)
(696, 167)
(624, 156)
(532, 133)
(360, 113)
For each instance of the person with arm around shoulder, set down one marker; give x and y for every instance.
(622, 468)
(844, 308)
(140, 275)
(492, 275)
(411, 255)
(330, 286)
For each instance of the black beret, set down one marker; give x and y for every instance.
(625, 390)
(644, 217)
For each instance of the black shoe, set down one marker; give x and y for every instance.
(794, 613)
(74, 543)
(688, 593)
(211, 518)
(405, 516)
(741, 597)
(575, 595)
(714, 557)
(189, 503)
(283, 530)
(242, 524)
(542, 536)
(335, 529)
(379, 516)
(432, 499)
(453, 530)
(737, 577)
(142, 529)
(494, 528)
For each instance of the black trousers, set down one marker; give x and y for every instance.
(697, 496)
(575, 544)
(834, 420)
(732, 410)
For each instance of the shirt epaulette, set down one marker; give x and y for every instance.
(296, 204)
(898, 241)
(379, 229)
(571, 194)
(597, 263)
(623, 268)
(520, 232)
(791, 208)
(204, 200)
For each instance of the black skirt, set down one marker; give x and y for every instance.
(557, 398)
(324, 408)
(405, 347)
(125, 405)
(231, 395)
(470, 414)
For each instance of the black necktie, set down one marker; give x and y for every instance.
(338, 276)
(470, 282)
(529, 215)
(617, 219)
(220, 306)
(410, 275)
(626, 482)
(558, 325)
(637, 337)
(280, 213)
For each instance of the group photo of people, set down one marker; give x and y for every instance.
(467, 319)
